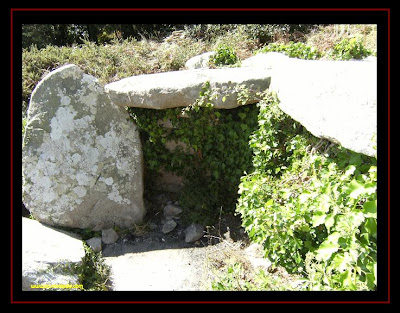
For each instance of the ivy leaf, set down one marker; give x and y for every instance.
(369, 209)
(371, 276)
(341, 261)
(345, 279)
(325, 250)
(329, 221)
(355, 189)
(349, 171)
(328, 247)
(242, 115)
(304, 196)
(318, 219)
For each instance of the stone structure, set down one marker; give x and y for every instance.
(82, 158)
(182, 88)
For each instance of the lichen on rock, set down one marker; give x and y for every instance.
(82, 160)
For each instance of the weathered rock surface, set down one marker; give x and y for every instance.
(44, 250)
(335, 100)
(95, 244)
(109, 236)
(172, 211)
(194, 232)
(182, 88)
(82, 158)
(199, 61)
(168, 226)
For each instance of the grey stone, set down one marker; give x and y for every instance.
(109, 236)
(81, 158)
(335, 100)
(194, 232)
(171, 211)
(94, 243)
(168, 226)
(182, 88)
(45, 250)
(199, 61)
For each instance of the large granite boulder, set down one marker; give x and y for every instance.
(81, 158)
(335, 100)
(182, 88)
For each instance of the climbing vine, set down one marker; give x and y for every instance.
(211, 148)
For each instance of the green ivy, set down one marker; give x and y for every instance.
(214, 153)
(311, 204)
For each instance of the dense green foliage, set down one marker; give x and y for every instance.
(211, 150)
(311, 204)
(346, 49)
(349, 49)
(224, 55)
(293, 50)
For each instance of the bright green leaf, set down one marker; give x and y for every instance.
(318, 219)
(304, 196)
(329, 246)
(341, 261)
(369, 209)
(329, 221)
(269, 203)
(355, 189)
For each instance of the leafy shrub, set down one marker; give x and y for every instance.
(348, 49)
(224, 55)
(311, 204)
(293, 50)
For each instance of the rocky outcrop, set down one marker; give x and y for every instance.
(182, 88)
(82, 158)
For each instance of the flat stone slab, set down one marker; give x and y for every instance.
(44, 250)
(335, 100)
(182, 88)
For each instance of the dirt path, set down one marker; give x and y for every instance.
(152, 260)
(160, 270)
